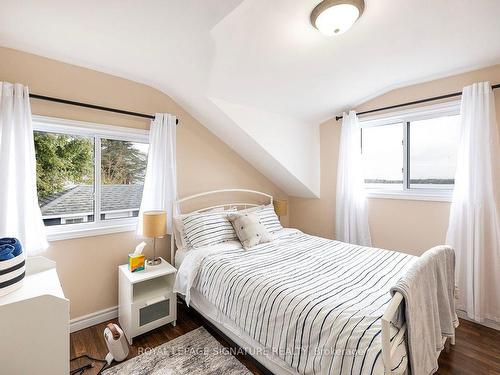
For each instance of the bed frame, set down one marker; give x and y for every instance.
(388, 346)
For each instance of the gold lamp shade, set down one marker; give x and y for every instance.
(154, 223)
(280, 207)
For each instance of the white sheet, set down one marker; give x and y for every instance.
(179, 257)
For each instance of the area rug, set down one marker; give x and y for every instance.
(195, 353)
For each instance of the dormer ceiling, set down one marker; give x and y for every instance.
(256, 72)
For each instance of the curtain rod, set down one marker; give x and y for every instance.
(414, 102)
(93, 106)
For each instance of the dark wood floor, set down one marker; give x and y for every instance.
(477, 349)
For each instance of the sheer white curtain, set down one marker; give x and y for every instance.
(474, 228)
(20, 215)
(160, 184)
(351, 223)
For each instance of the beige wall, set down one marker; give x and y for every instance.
(88, 266)
(410, 226)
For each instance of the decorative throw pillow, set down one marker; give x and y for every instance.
(249, 229)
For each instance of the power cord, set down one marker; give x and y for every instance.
(80, 370)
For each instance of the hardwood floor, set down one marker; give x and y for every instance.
(477, 349)
(90, 340)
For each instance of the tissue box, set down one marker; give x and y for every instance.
(136, 262)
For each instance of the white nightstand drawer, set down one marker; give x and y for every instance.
(154, 312)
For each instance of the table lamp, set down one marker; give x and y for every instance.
(280, 207)
(154, 225)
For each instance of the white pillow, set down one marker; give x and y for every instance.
(209, 228)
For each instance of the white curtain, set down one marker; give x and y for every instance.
(351, 206)
(20, 215)
(474, 228)
(160, 184)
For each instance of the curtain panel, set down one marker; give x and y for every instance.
(20, 214)
(474, 227)
(351, 224)
(160, 183)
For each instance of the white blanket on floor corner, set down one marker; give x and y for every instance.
(428, 290)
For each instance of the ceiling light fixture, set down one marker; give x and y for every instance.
(334, 17)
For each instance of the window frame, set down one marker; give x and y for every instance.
(405, 117)
(97, 132)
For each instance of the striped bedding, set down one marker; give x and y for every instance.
(313, 302)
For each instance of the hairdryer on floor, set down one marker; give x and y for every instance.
(116, 342)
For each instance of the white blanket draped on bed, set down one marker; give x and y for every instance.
(314, 302)
(428, 290)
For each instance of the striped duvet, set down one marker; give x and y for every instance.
(313, 302)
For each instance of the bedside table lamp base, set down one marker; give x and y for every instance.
(155, 260)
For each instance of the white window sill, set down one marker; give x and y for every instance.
(71, 231)
(434, 196)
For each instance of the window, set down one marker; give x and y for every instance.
(89, 177)
(65, 177)
(433, 152)
(383, 156)
(123, 168)
(411, 154)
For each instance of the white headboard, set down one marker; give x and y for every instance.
(240, 205)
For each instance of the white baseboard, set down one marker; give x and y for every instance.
(488, 323)
(93, 319)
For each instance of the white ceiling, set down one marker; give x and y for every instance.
(255, 70)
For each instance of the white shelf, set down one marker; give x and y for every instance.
(152, 288)
(150, 272)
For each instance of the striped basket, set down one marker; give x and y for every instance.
(12, 274)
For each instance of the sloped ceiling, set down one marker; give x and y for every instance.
(255, 72)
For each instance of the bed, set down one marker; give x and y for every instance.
(300, 303)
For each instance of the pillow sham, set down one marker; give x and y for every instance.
(181, 240)
(267, 217)
(249, 229)
(210, 228)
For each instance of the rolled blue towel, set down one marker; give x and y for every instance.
(18, 248)
(6, 252)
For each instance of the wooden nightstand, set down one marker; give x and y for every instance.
(146, 299)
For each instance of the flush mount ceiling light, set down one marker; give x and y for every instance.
(334, 17)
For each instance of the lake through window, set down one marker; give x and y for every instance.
(413, 155)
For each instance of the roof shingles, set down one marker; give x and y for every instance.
(79, 199)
